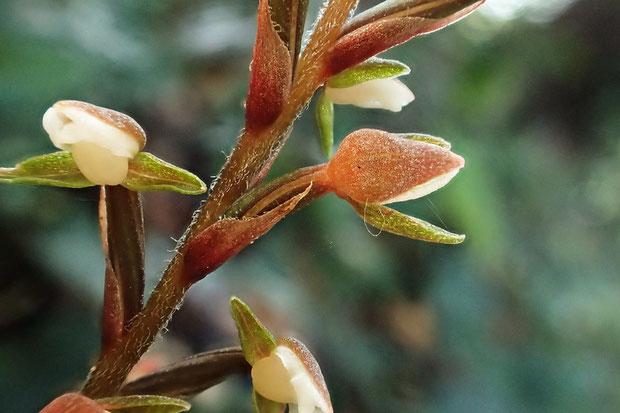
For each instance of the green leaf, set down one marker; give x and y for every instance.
(122, 232)
(263, 405)
(371, 69)
(149, 173)
(192, 375)
(143, 404)
(426, 138)
(53, 169)
(256, 341)
(325, 122)
(390, 220)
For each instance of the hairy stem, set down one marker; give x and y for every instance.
(253, 153)
(298, 179)
(107, 376)
(288, 190)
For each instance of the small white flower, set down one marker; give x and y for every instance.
(290, 374)
(101, 140)
(390, 94)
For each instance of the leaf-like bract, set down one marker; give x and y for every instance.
(122, 234)
(391, 23)
(53, 169)
(270, 77)
(256, 341)
(371, 69)
(390, 220)
(228, 236)
(143, 404)
(192, 375)
(149, 173)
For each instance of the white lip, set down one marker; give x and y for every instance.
(425, 188)
(390, 94)
(100, 150)
(282, 377)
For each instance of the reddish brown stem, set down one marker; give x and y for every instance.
(247, 161)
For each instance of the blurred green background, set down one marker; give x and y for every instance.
(524, 316)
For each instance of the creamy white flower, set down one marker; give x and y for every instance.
(390, 94)
(101, 140)
(290, 374)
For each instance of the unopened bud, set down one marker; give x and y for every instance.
(101, 140)
(73, 403)
(378, 167)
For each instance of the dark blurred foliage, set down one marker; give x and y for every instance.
(523, 316)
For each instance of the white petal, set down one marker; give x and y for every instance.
(68, 125)
(425, 188)
(272, 380)
(99, 165)
(282, 377)
(390, 94)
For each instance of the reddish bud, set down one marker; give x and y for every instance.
(390, 24)
(378, 167)
(72, 403)
(270, 77)
(227, 237)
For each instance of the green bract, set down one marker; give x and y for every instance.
(256, 341)
(191, 376)
(421, 137)
(146, 173)
(143, 404)
(372, 69)
(390, 220)
(149, 173)
(54, 169)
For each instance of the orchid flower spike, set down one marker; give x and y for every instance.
(101, 140)
(290, 374)
(377, 167)
(390, 94)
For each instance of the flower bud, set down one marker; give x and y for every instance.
(290, 374)
(73, 403)
(377, 167)
(101, 140)
(390, 94)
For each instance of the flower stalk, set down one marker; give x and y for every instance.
(238, 174)
(100, 146)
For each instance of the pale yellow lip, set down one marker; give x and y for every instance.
(283, 377)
